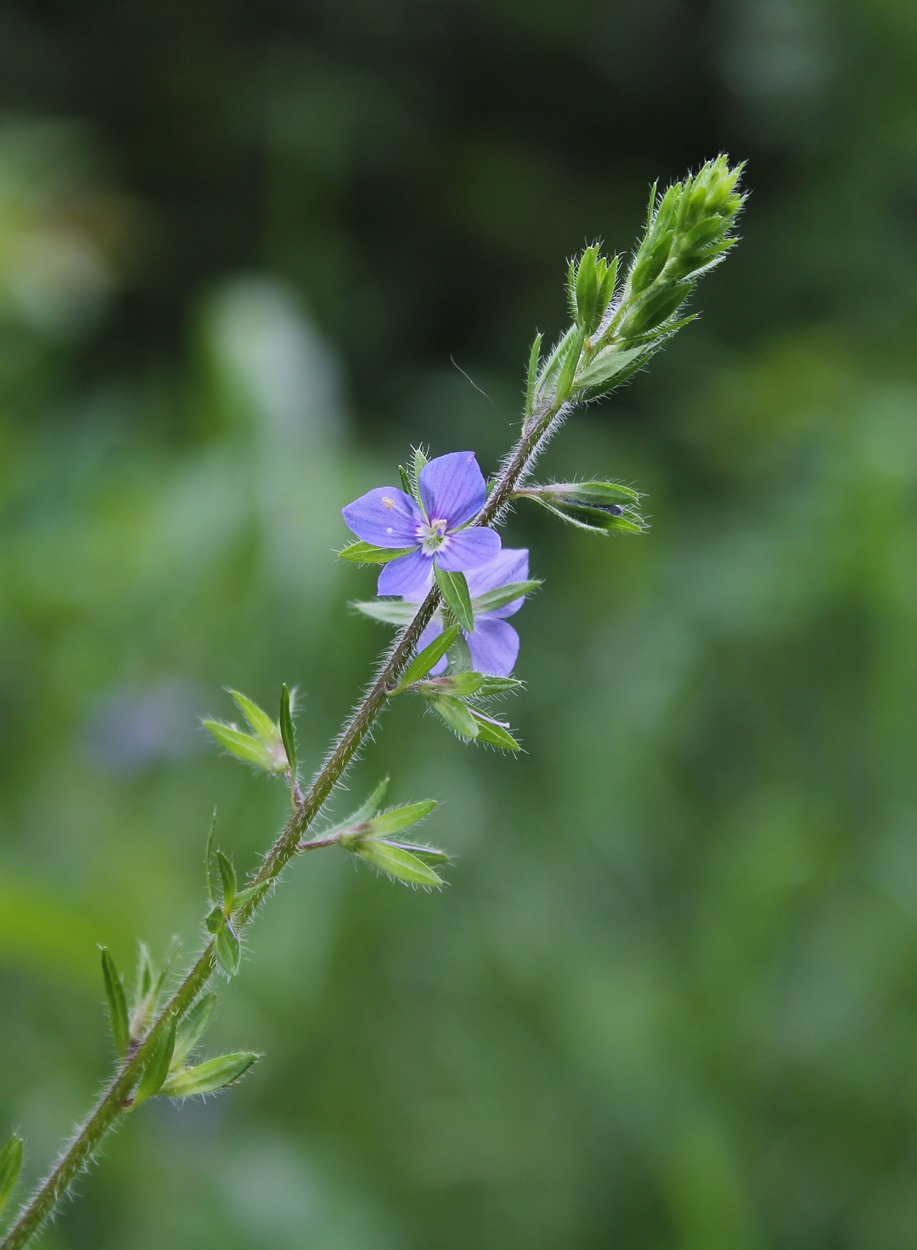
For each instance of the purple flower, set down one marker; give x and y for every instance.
(494, 644)
(452, 491)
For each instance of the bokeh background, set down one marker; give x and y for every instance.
(248, 253)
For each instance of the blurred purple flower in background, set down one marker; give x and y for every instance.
(452, 491)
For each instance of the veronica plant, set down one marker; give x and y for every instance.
(448, 587)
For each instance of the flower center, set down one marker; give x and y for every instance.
(432, 536)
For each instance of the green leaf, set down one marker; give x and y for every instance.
(597, 520)
(158, 1064)
(549, 370)
(651, 310)
(208, 1077)
(117, 1004)
(228, 880)
(286, 728)
(587, 288)
(208, 860)
(191, 1029)
(10, 1164)
(459, 655)
(456, 715)
(227, 949)
(499, 685)
(399, 818)
(594, 492)
(400, 865)
(242, 745)
(418, 464)
(531, 380)
(499, 598)
(454, 590)
(462, 685)
(146, 974)
(364, 812)
(429, 854)
(391, 611)
(607, 289)
(428, 658)
(172, 953)
(366, 553)
(251, 892)
(261, 724)
(495, 733)
(215, 919)
(569, 366)
(610, 366)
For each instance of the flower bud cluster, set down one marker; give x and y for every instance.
(689, 230)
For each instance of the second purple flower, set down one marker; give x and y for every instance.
(452, 491)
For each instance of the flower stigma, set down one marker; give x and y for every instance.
(432, 536)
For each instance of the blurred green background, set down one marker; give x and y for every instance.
(247, 255)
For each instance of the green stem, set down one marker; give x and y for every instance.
(113, 1101)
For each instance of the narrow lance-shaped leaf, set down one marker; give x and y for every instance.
(227, 949)
(242, 745)
(400, 865)
(428, 854)
(261, 724)
(460, 660)
(157, 1068)
(462, 685)
(456, 715)
(10, 1165)
(454, 590)
(399, 818)
(286, 728)
(391, 611)
(209, 1076)
(428, 658)
(362, 813)
(208, 860)
(191, 1029)
(531, 380)
(172, 953)
(418, 463)
(569, 366)
(366, 553)
(499, 685)
(607, 519)
(146, 974)
(493, 732)
(490, 600)
(228, 880)
(117, 1004)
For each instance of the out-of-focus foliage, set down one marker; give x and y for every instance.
(669, 999)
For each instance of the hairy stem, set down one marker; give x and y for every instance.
(114, 1101)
